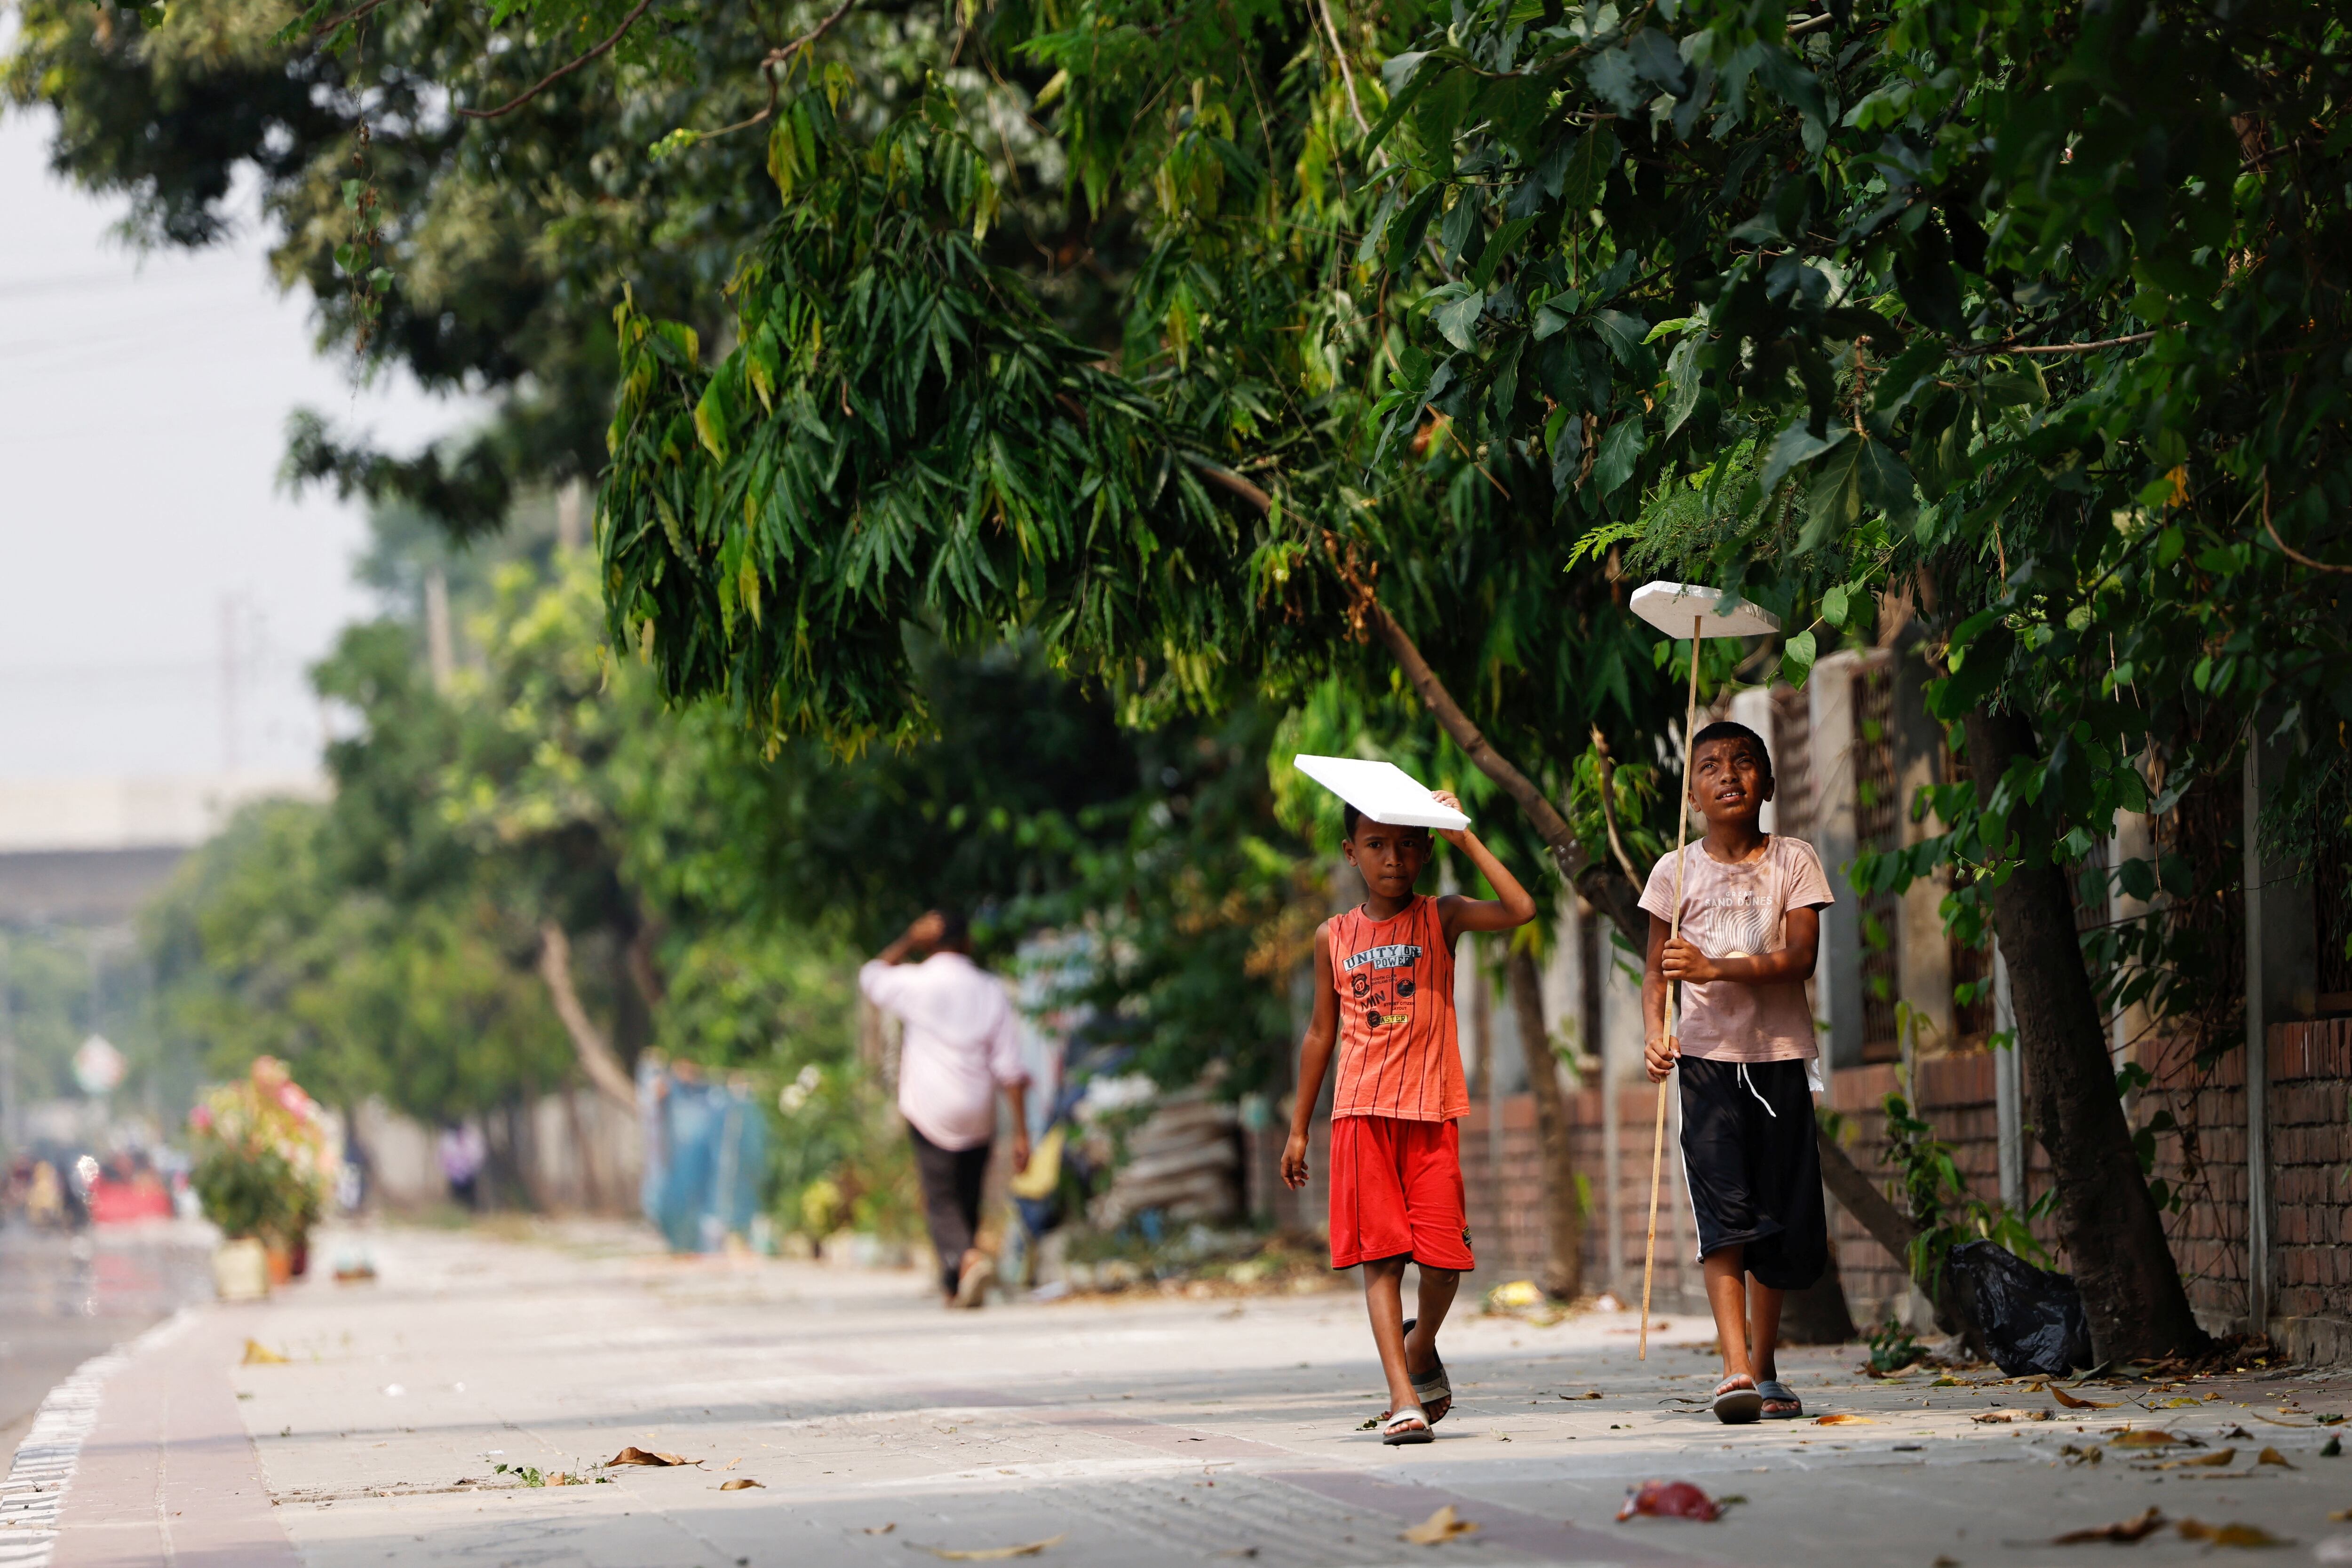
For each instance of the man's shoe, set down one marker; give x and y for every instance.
(979, 1271)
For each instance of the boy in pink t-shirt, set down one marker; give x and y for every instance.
(1751, 904)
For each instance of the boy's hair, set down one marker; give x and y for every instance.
(1349, 817)
(1731, 729)
(955, 927)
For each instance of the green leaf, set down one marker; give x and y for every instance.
(1833, 503)
(1795, 444)
(1797, 659)
(1682, 382)
(1887, 483)
(1458, 321)
(1620, 449)
(1596, 154)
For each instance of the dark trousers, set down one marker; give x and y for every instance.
(951, 1181)
(1752, 1168)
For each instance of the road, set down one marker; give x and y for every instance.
(63, 1298)
(1122, 1432)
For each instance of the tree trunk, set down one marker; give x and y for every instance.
(588, 1043)
(1563, 1275)
(1888, 1225)
(2107, 1221)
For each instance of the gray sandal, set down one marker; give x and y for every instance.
(1431, 1385)
(1776, 1391)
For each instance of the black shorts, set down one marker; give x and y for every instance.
(1754, 1176)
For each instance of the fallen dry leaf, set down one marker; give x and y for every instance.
(1439, 1528)
(2230, 1534)
(1843, 1419)
(2212, 1461)
(2144, 1438)
(2341, 1516)
(2082, 1456)
(1669, 1499)
(2273, 1456)
(739, 1484)
(1588, 1394)
(633, 1454)
(995, 1554)
(732, 1463)
(1948, 1383)
(881, 1529)
(2072, 1402)
(2122, 1530)
(2183, 1403)
(259, 1354)
(2001, 1417)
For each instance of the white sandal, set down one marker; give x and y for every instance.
(1736, 1401)
(1407, 1426)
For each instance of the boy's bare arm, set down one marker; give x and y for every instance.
(1314, 1059)
(1679, 960)
(1515, 906)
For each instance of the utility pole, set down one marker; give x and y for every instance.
(228, 681)
(571, 515)
(440, 647)
(8, 1130)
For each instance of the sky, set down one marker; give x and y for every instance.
(146, 548)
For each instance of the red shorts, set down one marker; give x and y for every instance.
(1396, 1189)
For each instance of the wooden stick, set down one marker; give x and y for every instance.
(1658, 1133)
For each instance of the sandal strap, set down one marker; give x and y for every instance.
(1405, 1420)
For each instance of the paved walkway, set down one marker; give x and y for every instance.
(1125, 1433)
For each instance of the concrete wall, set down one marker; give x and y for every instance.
(577, 1152)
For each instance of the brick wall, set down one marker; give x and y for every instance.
(2311, 1150)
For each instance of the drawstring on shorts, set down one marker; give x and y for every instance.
(1752, 1090)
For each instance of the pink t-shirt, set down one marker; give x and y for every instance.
(1740, 912)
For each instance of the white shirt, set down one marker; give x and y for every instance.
(959, 1044)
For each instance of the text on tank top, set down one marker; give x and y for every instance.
(1397, 1054)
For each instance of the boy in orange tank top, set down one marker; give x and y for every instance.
(1384, 1001)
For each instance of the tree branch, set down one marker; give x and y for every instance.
(775, 57)
(588, 1043)
(1609, 806)
(560, 72)
(1225, 479)
(2293, 554)
(2057, 348)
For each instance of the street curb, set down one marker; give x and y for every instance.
(34, 1494)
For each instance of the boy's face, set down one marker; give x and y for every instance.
(1729, 781)
(1390, 859)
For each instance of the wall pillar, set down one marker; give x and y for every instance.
(2282, 983)
(1838, 975)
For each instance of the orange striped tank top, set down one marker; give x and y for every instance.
(1398, 1055)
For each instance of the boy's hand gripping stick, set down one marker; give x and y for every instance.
(1670, 606)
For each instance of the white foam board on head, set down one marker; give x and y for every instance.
(1675, 608)
(1381, 790)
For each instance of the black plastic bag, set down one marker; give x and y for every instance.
(2032, 1319)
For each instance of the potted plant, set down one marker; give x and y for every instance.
(264, 1160)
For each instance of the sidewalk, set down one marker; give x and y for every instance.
(1128, 1433)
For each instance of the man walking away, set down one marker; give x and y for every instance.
(960, 1048)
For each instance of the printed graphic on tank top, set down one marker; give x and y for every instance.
(1398, 1056)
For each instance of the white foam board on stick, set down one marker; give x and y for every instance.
(1381, 790)
(1675, 608)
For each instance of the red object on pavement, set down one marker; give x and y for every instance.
(1670, 1500)
(113, 1202)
